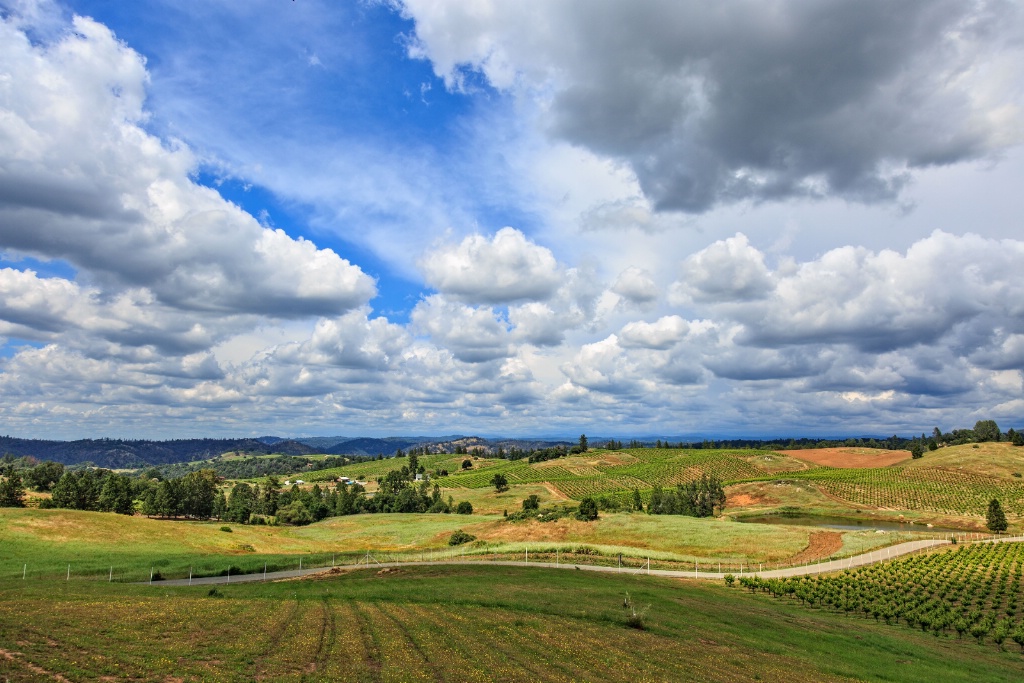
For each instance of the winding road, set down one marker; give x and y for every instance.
(864, 559)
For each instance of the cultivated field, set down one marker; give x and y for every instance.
(951, 486)
(972, 590)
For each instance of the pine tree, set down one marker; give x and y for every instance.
(638, 502)
(12, 491)
(996, 519)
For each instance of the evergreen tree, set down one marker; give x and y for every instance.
(995, 519)
(65, 492)
(638, 502)
(588, 510)
(987, 430)
(116, 495)
(12, 491)
(220, 505)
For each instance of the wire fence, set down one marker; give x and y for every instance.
(205, 567)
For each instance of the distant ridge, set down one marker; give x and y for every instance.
(123, 453)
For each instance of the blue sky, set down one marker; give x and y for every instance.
(509, 217)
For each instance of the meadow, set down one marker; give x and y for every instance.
(52, 544)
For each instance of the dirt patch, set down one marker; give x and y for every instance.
(741, 500)
(850, 457)
(820, 545)
(555, 493)
(613, 460)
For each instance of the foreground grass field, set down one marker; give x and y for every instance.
(460, 624)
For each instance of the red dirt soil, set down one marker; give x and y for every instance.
(850, 457)
(820, 545)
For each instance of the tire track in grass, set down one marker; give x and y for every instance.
(371, 651)
(388, 614)
(398, 655)
(276, 635)
(16, 658)
(347, 658)
(326, 633)
(518, 641)
(438, 639)
(491, 662)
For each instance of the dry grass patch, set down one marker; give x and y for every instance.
(849, 457)
(994, 459)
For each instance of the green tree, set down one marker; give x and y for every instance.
(1018, 439)
(464, 508)
(294, 513)
(583, 443)
(916, 451)
(987, 430)
(241, 503)
(198, 494)
(588, 510)
(65, 492)
(220, 505)
(532, 502)
(500, 483)
(12, 491)
(116, 495)
(638, 502)
(467, 464)
(168, 498)
(995, 518)
(44, 476)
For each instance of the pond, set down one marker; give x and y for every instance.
(843, 523)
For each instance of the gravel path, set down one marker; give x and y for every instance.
(872, 557)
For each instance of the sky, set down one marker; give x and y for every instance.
(522, 217)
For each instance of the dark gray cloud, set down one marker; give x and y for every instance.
(716, 103)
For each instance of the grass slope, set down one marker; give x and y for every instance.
(460, 624)
(94, 542)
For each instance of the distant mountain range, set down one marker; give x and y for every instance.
(133, 454)
(122, 453)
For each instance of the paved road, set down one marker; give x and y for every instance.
(872, 557)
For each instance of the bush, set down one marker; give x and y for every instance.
(729, 580)
(295, 513)
(226, 528)
(532, 503)
(588, 510)
(634, 617)
(459, 537)
(464, 508)
(157, 576)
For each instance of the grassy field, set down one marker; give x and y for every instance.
(461, 624)
(97, 544)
